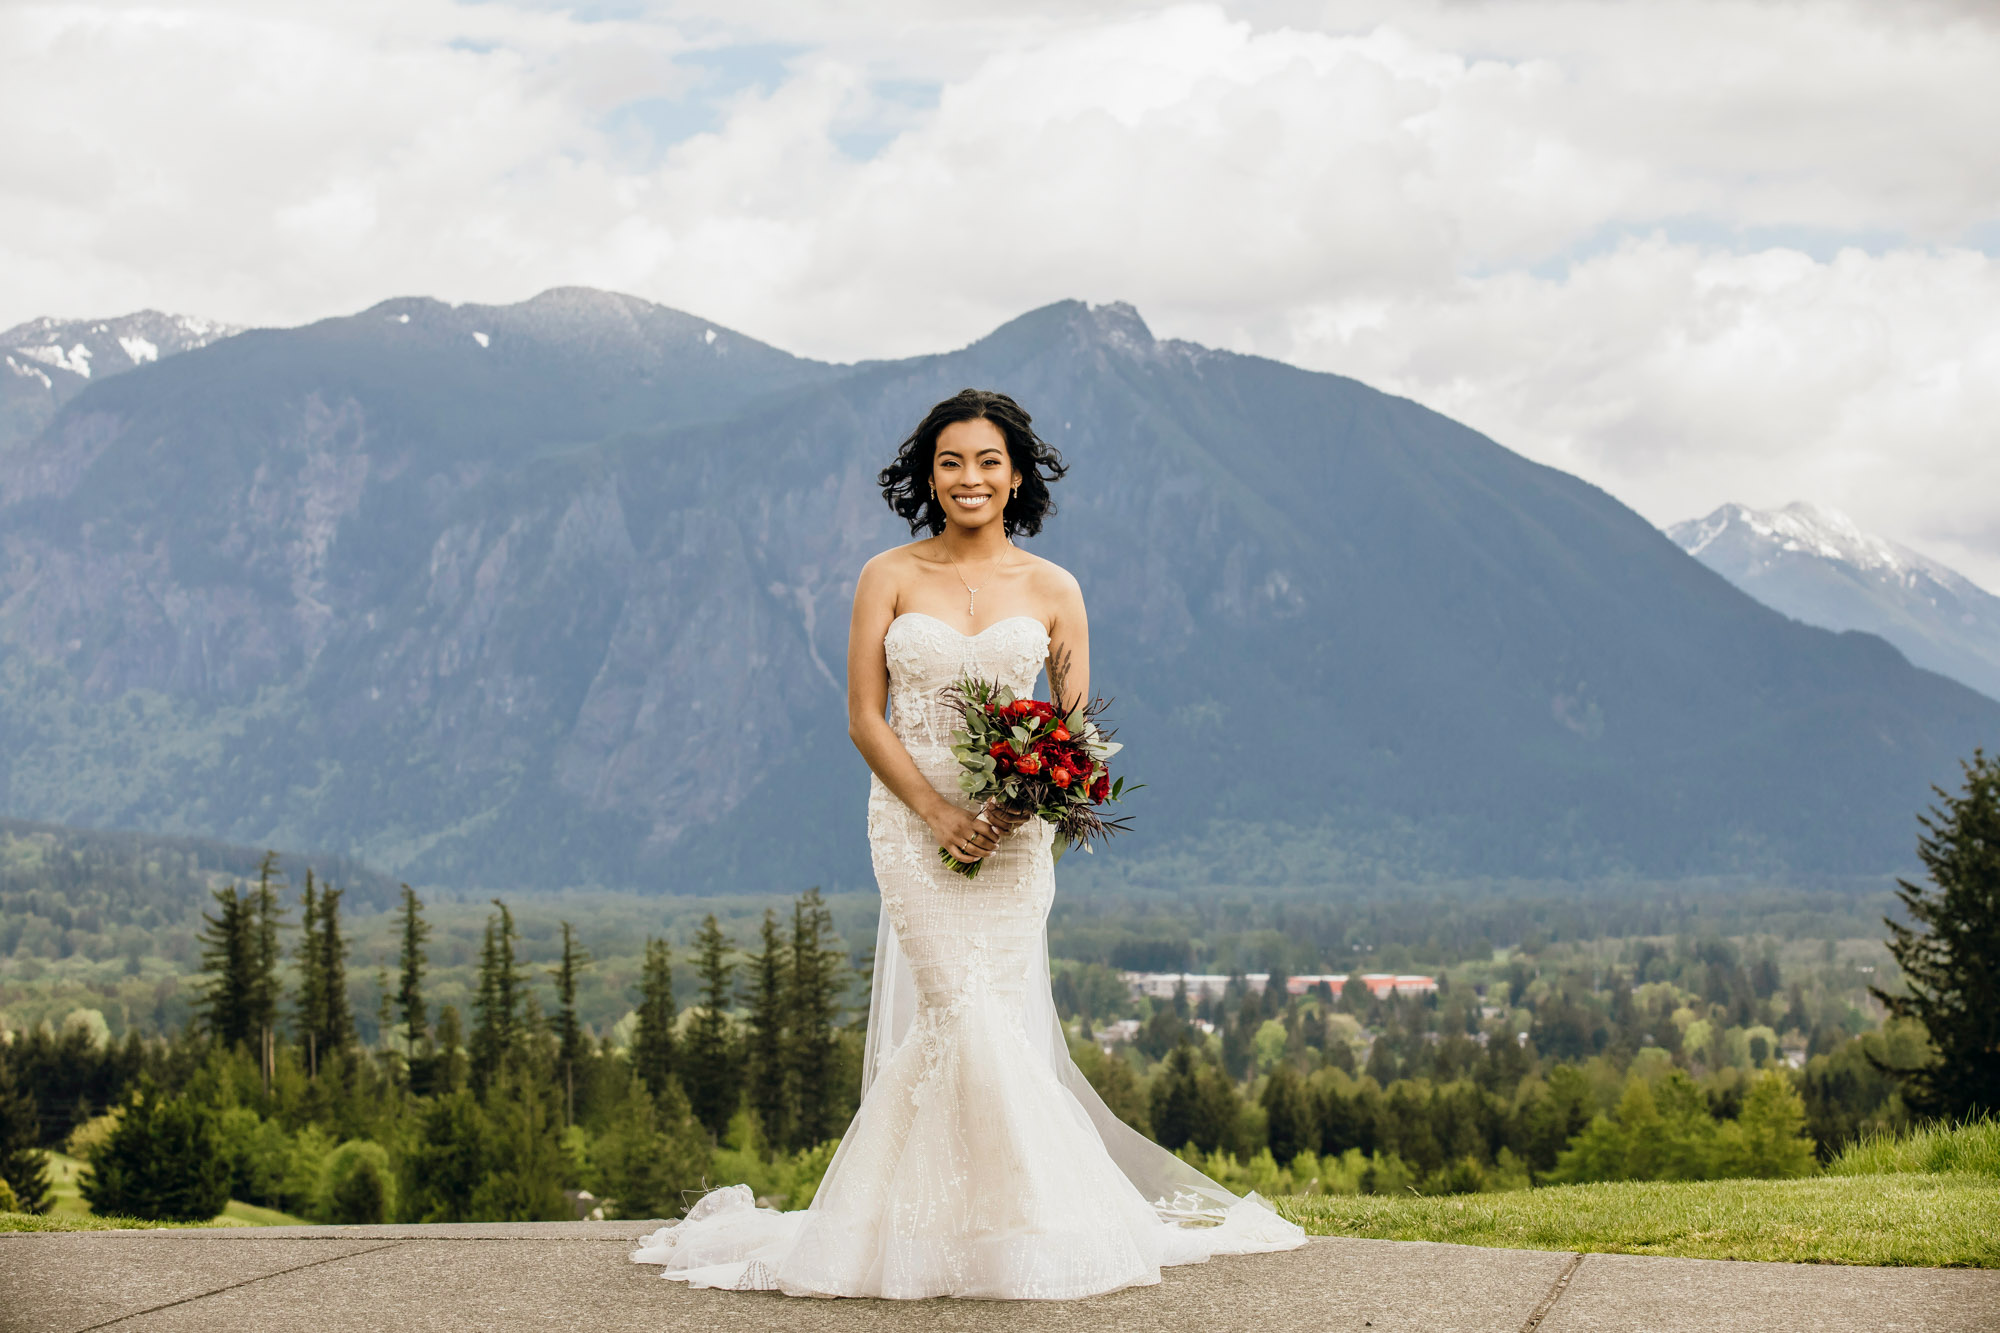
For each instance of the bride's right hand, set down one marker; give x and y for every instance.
(965, 836)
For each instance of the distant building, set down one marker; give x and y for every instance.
(1161, 985)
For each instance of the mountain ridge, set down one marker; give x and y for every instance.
(1816, 565)
(564, 607)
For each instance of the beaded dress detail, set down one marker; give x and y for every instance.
(981, 1163)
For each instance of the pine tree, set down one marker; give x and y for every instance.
(269, 914)
(496, 1024)
(812, 1045)
(163, 1162)
(765, 1047)
(708, 1065)
(652, 1155)
(228, 955)
(410, 989)
(1288, 1115)
(448, 1065)
(336, 1031)
(653, 1055)
(569, 1032)
(1950, 955)
(310, 1005)
(24, 1167)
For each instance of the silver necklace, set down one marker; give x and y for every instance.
(971, 593)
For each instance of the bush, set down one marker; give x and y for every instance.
(355, 1189)
(162, 1162)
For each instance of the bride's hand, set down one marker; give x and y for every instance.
(966, 837)
(1003, 819)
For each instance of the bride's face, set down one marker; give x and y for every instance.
(972, 473)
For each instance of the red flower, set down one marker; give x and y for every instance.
(1001, 750)
(1030, 764)
(1061, 777)
(1100, 790)
(1061, 732)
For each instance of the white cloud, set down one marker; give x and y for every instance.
(1610, 235)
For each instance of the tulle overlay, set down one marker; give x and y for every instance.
(980, 1164)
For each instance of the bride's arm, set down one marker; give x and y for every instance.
(867, 700)
(1069, 632)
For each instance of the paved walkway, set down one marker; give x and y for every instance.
(576, 1276)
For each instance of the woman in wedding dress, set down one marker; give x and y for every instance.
(981, 1163)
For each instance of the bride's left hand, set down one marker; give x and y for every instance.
(1003, 820)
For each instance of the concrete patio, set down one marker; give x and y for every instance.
(576, 1275)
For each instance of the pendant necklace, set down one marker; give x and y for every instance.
(971, 593)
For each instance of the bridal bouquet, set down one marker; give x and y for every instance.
(1034, 757)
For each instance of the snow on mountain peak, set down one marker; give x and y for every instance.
(1805, 528)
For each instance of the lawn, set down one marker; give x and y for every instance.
(1946, 1220)
(71, 1213)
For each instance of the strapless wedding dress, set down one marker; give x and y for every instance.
(981, 1162)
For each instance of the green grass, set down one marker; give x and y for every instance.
(1934, 1221)
(1930, 1198)
(71, 1213)
(1972, 1148)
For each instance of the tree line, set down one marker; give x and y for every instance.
(515, 1111)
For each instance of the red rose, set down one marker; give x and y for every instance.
(1061, 732)
(1101, 789)
(1060, 777)
(1001, 750)
(1030, 764)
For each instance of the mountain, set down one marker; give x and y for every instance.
(1814, 564)
(556, 594)
(49, 361)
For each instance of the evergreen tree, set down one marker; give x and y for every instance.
(229, 956)
(410, 989)
(765, 1051)
(163, 1161)
(336, 1031)
(448, 1066)
(1288, 1113)
(447, 1161)
(708, 1065)
(24, 1167)
(268, 952)
(496, 1007)
(652, 1154)
(526, 1161)
(569, 1032)
(812, 1042)
(653, 1055)
(1950, 954)
(310, 1005)
(325, 1017)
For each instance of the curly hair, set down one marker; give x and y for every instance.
(906, 482)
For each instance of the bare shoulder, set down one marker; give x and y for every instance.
(1053, 584)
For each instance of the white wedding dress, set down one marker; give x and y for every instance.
(981, 1162)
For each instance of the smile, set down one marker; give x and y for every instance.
(971, 501)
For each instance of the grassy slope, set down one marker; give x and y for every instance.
(1930, 1198)
(1925, 1220)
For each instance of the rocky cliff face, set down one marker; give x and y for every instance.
(557, 594)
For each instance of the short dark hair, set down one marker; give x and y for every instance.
(906, 482)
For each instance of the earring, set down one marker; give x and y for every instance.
(1016, 494)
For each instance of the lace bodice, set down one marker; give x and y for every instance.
(926, 655)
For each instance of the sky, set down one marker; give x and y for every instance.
(1728, 250)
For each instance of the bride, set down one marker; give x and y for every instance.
(981, 1162)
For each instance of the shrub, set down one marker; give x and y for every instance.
(162, 1162)
(355, 1188)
